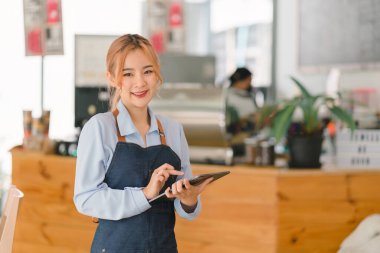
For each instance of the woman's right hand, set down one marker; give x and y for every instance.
(158, 179)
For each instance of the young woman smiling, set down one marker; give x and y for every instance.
(129, 155)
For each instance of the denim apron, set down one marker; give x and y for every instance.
(153, 230)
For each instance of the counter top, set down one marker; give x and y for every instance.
(263, 210)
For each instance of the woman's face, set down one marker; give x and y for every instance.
(140, 81)
(244, 84)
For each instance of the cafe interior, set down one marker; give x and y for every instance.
(298, 147)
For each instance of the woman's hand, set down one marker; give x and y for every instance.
(185, 192)
(158, 179)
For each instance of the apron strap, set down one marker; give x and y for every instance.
(119, 137)
(122, 138)
(161, 132)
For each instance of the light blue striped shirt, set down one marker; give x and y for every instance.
(96, 146)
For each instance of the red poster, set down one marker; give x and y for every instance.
(175, 15)
(157, 40)
(52, 11)
(34, 41)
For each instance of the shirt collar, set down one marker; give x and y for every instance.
(125, 122)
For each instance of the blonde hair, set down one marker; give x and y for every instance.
(117, 53)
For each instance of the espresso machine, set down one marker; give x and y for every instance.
(201, 111)
(189, 96)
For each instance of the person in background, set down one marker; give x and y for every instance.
(129, 155)
(240, 108)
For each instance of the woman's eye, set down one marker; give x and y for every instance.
(148, 72)
(128, 74)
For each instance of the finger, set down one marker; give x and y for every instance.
(165, 174)
(161, 178)
(168, 193)
(166, 166)
(174, 189)
(175, 172)
(160, 172)
(163, 167)
(179, 185)
(186, 183)
(171, 168)
(205, 183)
(156, 171)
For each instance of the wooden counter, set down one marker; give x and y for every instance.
(250, 210)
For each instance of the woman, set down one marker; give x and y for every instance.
(240, 109)
(129, 155)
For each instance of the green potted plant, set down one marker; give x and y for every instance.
(304, 138)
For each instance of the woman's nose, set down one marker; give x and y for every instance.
(140, 80)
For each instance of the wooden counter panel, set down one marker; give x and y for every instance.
(240, 185)
(224, 235)
(314, 226)
(318, 238)
(364, 186)
(312, 187)
(242, 214)
(317, 211)
(22, 247)
(61, 212)
(329, 213)
(56, 235)
(366, 208)
(44, 177)
(48, 220)
(191, 247)
(238, 215)
(39, 192)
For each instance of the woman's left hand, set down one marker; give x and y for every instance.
(185, 192)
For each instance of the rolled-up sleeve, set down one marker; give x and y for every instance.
(92, 196)
(186, 168)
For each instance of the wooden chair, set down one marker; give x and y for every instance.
(8, 219)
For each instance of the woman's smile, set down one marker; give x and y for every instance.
(140, 94)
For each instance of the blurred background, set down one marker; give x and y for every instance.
(53, 69)
(272, 39)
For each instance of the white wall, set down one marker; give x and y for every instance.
(287, 46)
(20, 75)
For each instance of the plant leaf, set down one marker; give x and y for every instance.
(310, 113)
(265, 114)
(313, 123)
(304, 91)
(344, 116)
(283, 119)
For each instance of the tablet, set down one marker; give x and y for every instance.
(203, 177)
(199, 179)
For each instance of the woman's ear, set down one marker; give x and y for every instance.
(111, 80)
